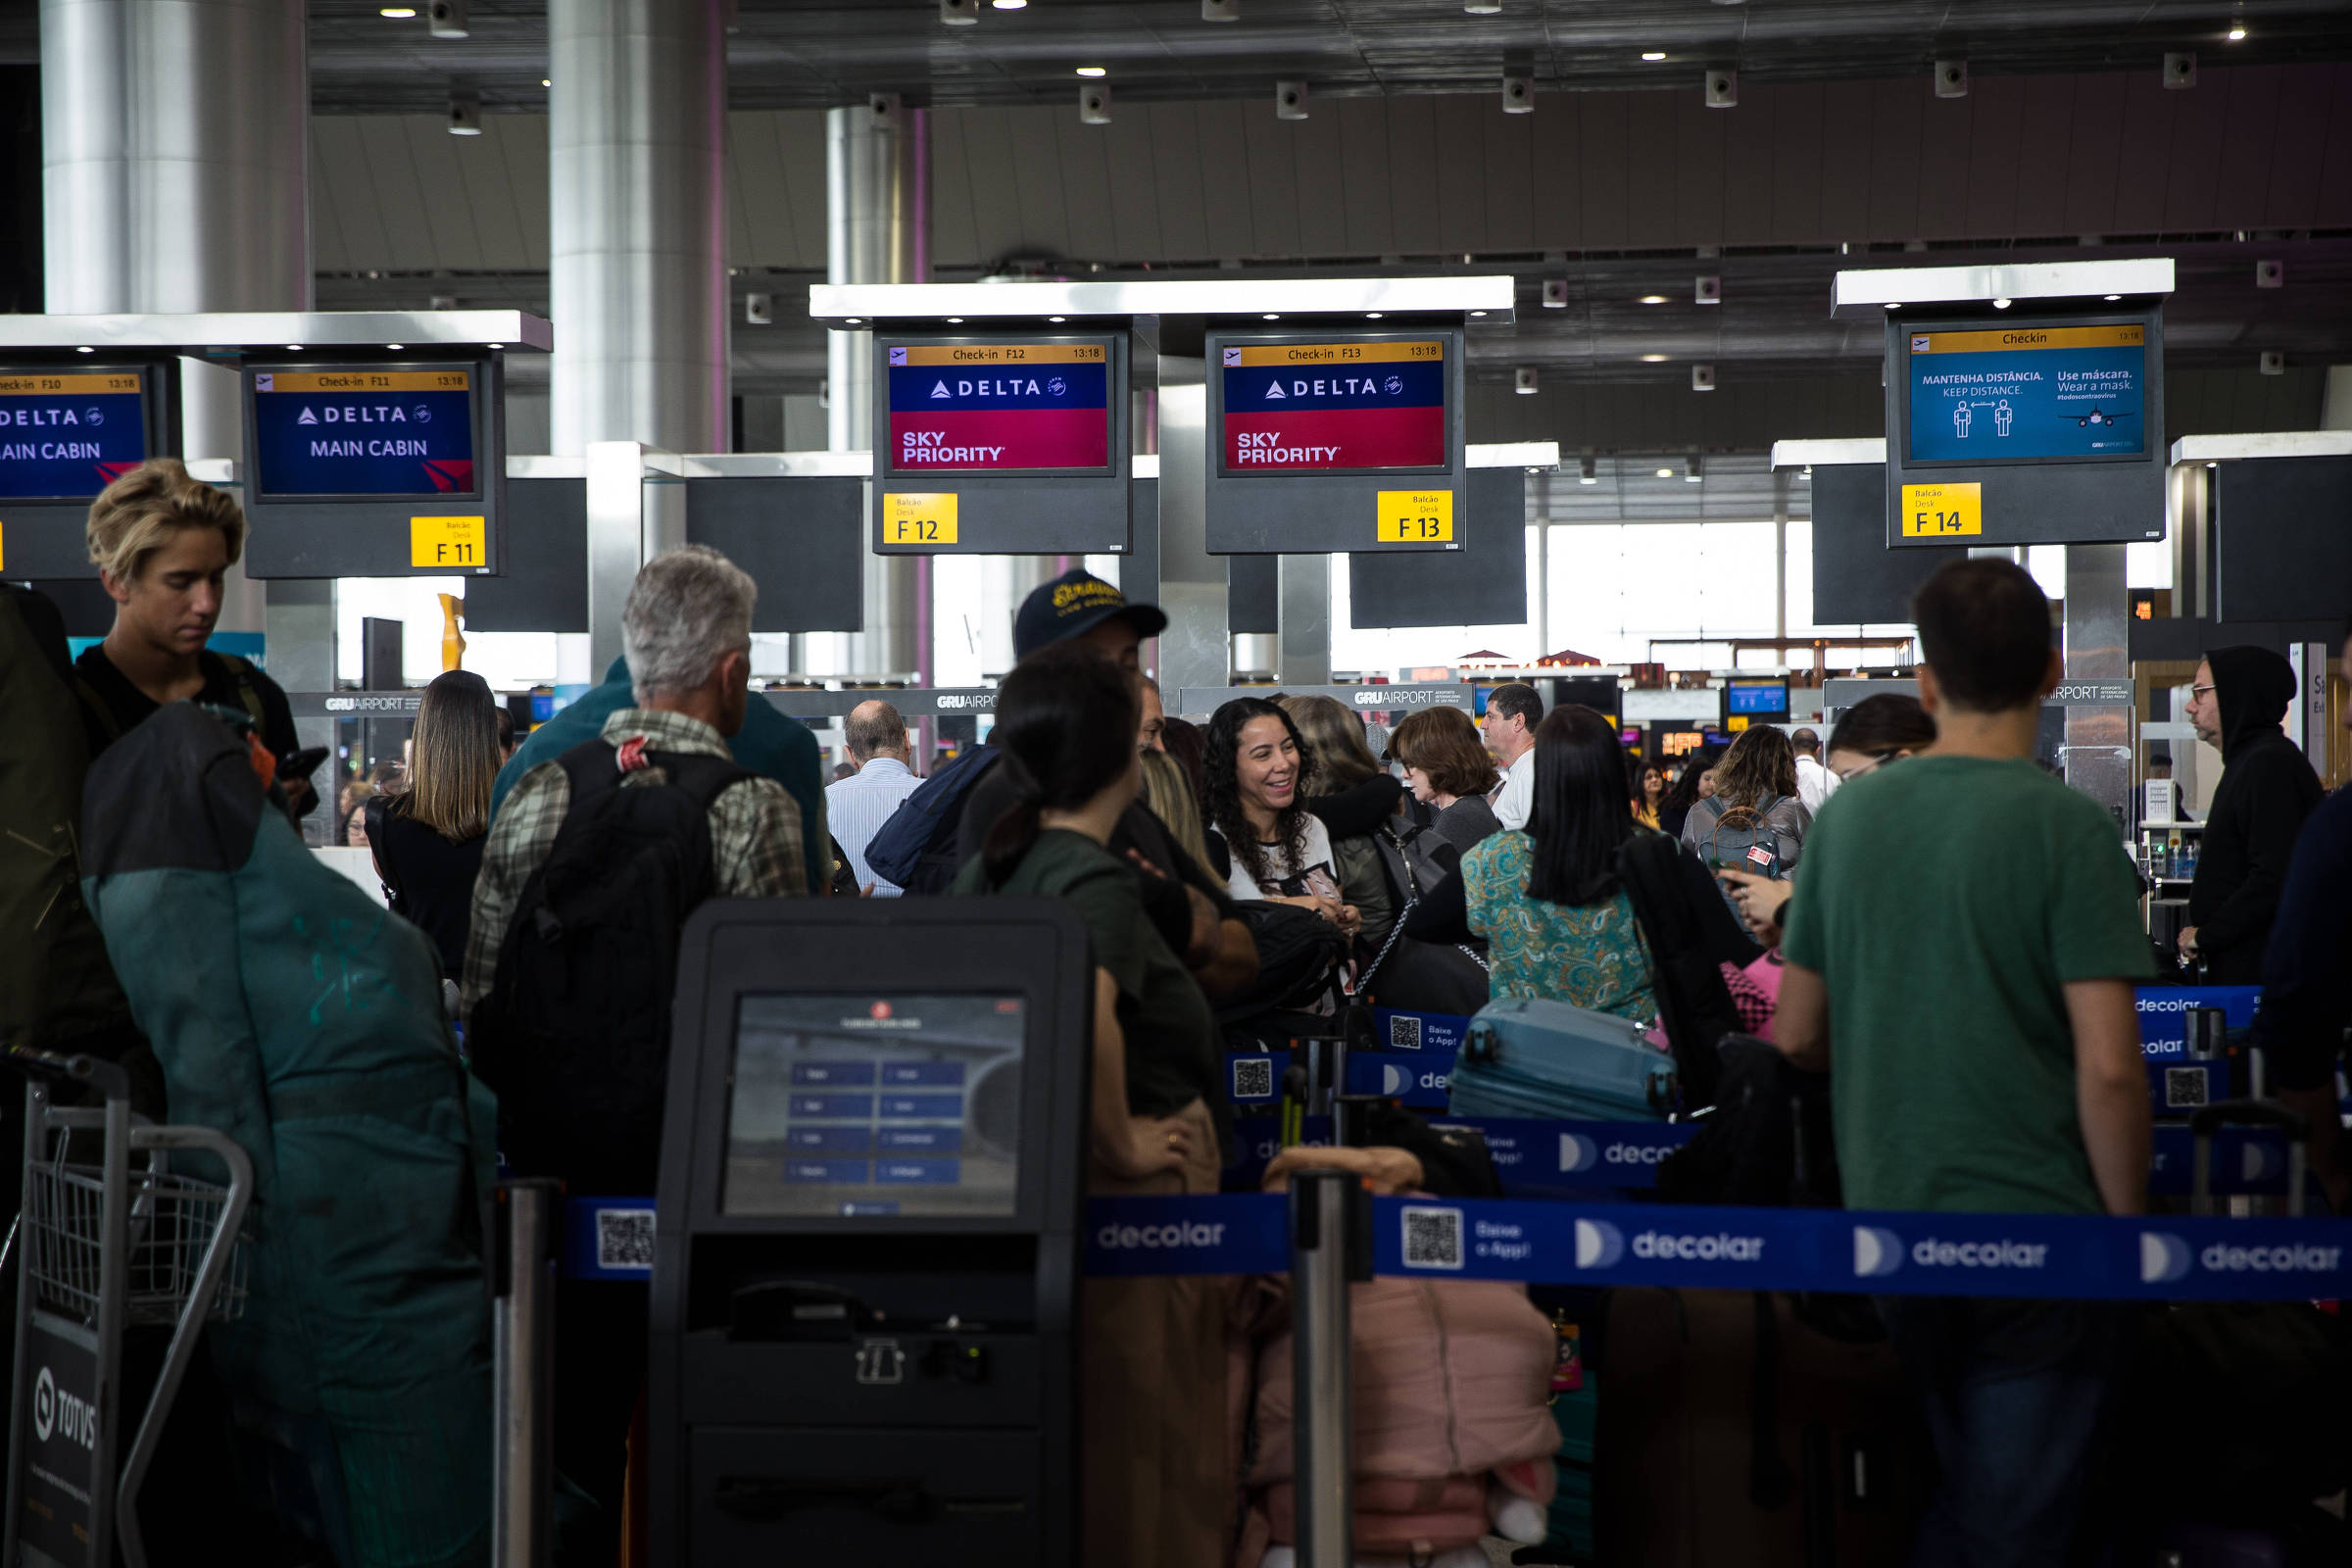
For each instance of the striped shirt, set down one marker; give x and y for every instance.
(754, 835)
(858, 806)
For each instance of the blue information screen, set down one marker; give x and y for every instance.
(2041, 392)
(67, 435)
(870, 1105)
(1758, 700)
(365, 432)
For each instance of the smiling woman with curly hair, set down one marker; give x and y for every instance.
(1281, 854)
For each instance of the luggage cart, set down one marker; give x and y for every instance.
(103, 1244)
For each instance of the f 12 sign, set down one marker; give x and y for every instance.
(68, 435)
(364, 432)
(1302, 408)
(986, 408)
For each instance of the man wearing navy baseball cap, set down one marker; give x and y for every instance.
(1079, 603)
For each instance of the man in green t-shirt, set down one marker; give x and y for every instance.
(1961, 950)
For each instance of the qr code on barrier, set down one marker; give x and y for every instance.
(1253, 1078)
(1432, 1238)
(1404, 1032)
(624, 1238)
(2183, 1086)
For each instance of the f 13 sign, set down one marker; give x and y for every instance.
(365, 432)
(995, 408)
(66, 435)
(2028, 393)
(1338, 406)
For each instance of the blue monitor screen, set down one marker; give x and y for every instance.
(365, 432)
(1759, 700)
(883, 1107)
(2045, 392)
(67, 435)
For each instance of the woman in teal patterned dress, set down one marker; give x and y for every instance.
(1545, 899)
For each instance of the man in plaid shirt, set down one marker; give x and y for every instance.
(687, 630)
(687, 634)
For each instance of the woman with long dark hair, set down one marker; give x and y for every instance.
(1547, 899)
(1689, 788)
(1158, 1481)
(1281, 851)
(427, 840)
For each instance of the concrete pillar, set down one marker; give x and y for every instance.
(175, 177)
(1194, 650)
(877, 230)
(637, 262)
(2099, 740)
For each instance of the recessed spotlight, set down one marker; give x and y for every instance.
(396, 345)
(2236, 33)
(954, 321)
(295, 347)
(851, 321)
(1372, 316)
(494, 345)
(1654, 358)
(1477, 312)
(1653, 299)
(547, 82)
(1009, 5)
(1272, 316)
(1665, 474)
(397, 12)
(1093, 71)
(1057, 318)
(1654, 55)
(2112, 298)
(86, 351)
(2000, 305)
(1894, 305)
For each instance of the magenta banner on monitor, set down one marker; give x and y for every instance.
(989, 407)
(1292, 408)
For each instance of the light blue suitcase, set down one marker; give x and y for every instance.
(1525, 1056)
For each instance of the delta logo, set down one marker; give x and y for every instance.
(1879, 1253)
(1600, 1244)
(2165, 1258)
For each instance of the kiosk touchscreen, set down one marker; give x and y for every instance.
(866, 1282)
(67, 431)
(1001, 444)
(1334, 441)
(375, 468)
(2042, 429)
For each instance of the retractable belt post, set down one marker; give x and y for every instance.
(524, 1317)
(1330, 1222)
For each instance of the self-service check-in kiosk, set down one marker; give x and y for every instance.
(865, 1299)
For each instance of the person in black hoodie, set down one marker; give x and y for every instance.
(2266, 791)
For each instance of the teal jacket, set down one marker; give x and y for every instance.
(772, 743)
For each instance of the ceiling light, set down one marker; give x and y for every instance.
(1371, 316)
(397, 12)
(2112, 298)
(1477, 312)
(1654, 358)
(1093, 71)
(1523, 380)
(86, 351)
(1654, 54)
(851, 321)
(1586, 472)
(396, 345)
(295, 347)
(1894, 305)
(494, 345)
(2237, 32)
(1482, 8)
(954, 321)
(1009, 5)
(1272, 316)
(2000, 305)
(1653, 299)
(547, 82)
(1057, 318)
(1665, 474)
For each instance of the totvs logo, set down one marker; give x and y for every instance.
(68, 1415)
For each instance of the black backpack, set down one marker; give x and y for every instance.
(915, 849)
(574, 1034)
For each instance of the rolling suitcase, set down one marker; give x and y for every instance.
(1737, 1436)
(1525, 1056)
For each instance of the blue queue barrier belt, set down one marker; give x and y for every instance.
(2067, 1258)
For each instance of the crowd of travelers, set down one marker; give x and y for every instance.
(1914, 910)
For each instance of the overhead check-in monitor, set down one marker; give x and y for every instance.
(2014, 429)
(864, 1295)
(375, 469)
(1003, 443)
(1748, 702)
(67, 429)
(1335, 440)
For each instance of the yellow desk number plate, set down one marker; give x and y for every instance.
(918, 517)
(452, 544)
(1943, 510)
(1415, 518)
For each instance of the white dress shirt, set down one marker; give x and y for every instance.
(1814, 783)
(856, 807)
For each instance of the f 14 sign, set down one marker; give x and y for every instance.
(998, 406)
(1297, 408)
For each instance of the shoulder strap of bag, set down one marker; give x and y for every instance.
(249, 691)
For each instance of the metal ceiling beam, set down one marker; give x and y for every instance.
(1489, 298)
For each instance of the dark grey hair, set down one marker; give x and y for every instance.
(688, 608)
